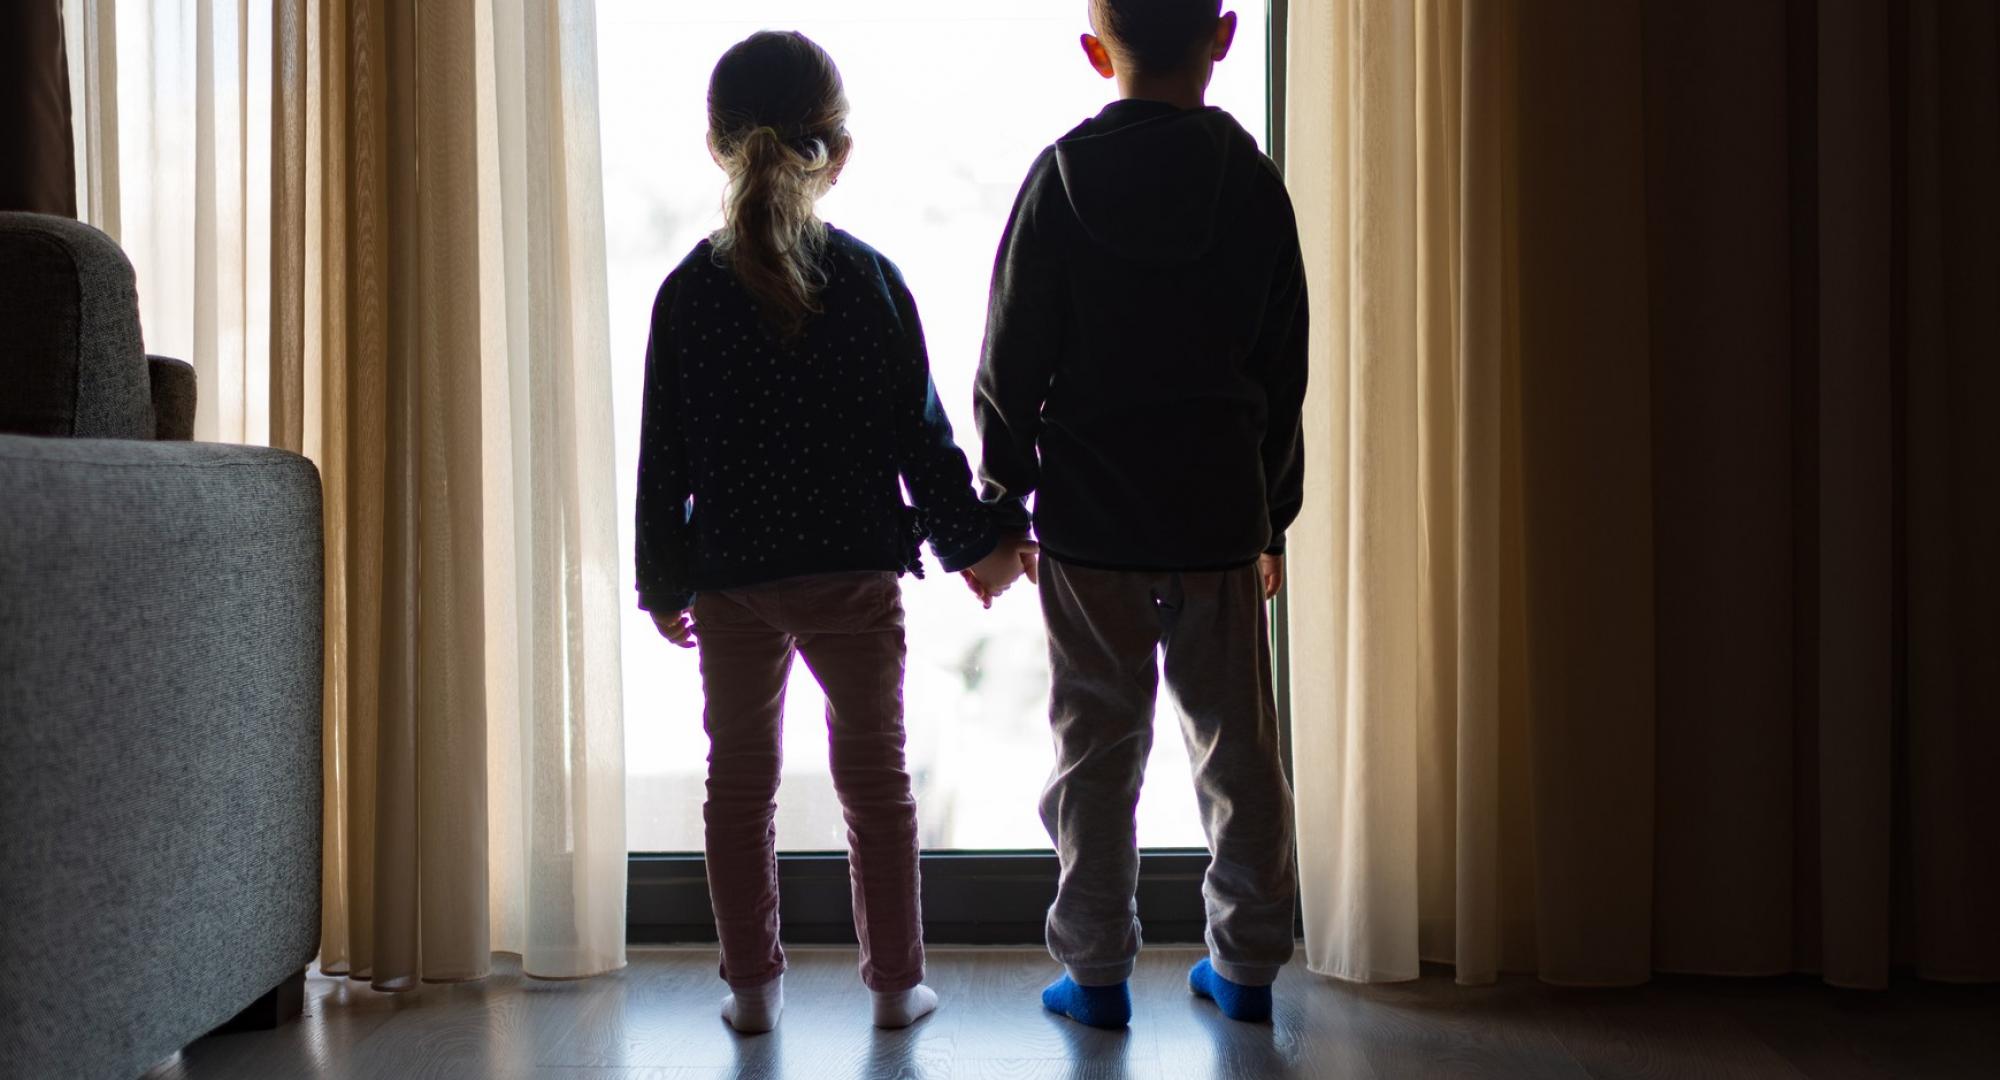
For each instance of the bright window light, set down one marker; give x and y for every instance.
(951, 103)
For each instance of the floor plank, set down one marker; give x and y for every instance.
(1434, 1027)
(493, 1028)
(1914, 1029)
(1648, 1032)
(997, 994)
(1308, 1035)
(657, 1020)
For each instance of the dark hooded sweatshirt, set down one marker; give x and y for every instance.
(1145, 356)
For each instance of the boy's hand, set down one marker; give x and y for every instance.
(1009, 562)
(1271, 570)
(676, 627)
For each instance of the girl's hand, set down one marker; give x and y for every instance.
(676, 627)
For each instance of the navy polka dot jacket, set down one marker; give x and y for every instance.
(763, 458)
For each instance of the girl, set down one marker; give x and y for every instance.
(788, 401)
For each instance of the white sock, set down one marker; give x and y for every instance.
(755, 1010)
(904, 1007)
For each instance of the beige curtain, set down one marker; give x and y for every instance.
(1405, 579)
(1637, 601)
(417, 184)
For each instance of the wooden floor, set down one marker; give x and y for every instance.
(657, 1020)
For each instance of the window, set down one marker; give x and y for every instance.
(951, 103)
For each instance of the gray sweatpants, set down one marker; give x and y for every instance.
(1107, 629)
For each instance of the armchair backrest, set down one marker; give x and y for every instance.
(71, 358)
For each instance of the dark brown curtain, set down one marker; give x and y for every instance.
(1760, 394)
(37, 162)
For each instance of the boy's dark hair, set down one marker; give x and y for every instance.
(1158, 35)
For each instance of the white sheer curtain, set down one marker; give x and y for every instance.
(560, 899)
(376, 230)
(173, 111)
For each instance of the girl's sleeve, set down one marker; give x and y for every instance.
(662, 541)
(934, 469)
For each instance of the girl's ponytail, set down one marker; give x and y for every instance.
(777, 124)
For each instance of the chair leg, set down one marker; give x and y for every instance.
(282, 1004)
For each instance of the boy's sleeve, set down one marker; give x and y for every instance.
(1025, 317)
(1282, 365)
(933, 467)
(662, 539)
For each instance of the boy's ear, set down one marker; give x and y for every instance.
(1098, 55)
(1225, 36)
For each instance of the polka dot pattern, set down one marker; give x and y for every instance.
(763, 458)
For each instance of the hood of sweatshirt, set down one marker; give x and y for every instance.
(1145, 178)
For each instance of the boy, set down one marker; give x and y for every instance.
(1144, 367)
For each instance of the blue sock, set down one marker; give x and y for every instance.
(1251, 1004)
(1097, 1006)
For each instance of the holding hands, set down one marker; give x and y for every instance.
(1014, 559)
(1011, 561)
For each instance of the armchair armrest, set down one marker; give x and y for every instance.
(173, 398)
(160, 689)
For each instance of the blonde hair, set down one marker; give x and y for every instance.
(778, 125)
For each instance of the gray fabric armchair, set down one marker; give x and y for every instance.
(160, 682)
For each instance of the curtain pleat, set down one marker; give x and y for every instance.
(1586, 464)
(1487, 843)
(330, 126)
(1949, 472)
(289, 162)
(1719, 253)
(1642, 591)
(1438, 246)
(1855, 526)
(231, 214)
(364, 422)
(450, 653)
(90, 37)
